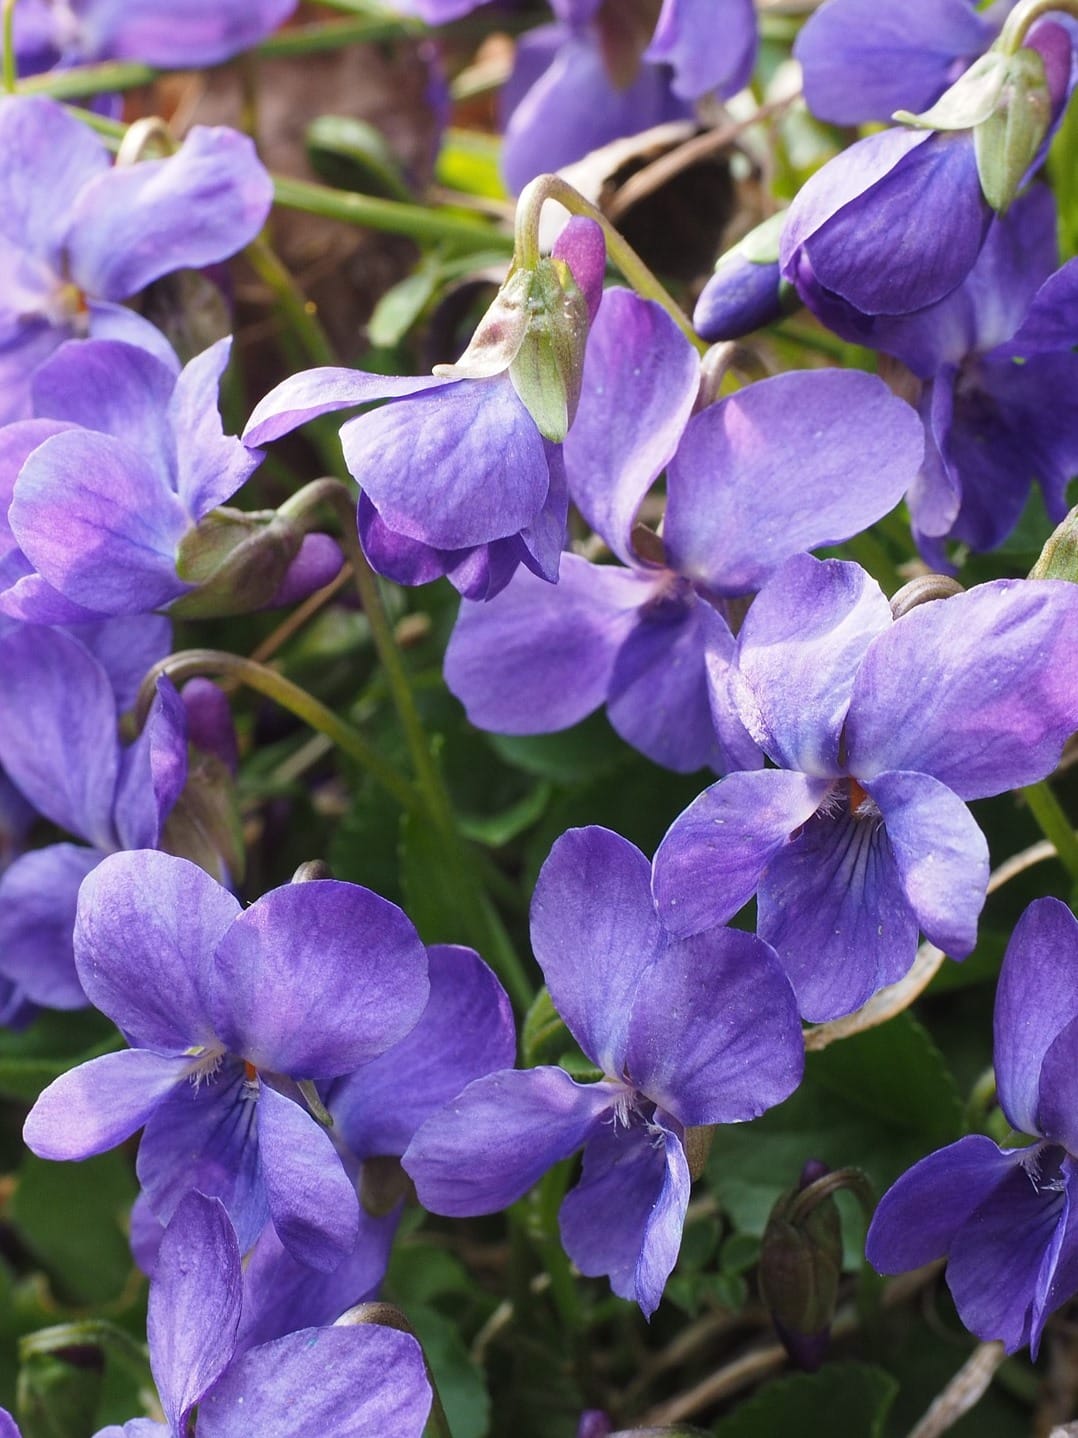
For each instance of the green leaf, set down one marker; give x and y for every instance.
(494, 830)
(72, 1216)
(431, 892)
(460, 1381)
(544, 1035)
(880, 1101)
(399, 308)
(350, 154)
(57, 1398)
(851, 1398)
(470, 161)
(419, 1273)
(585, 752)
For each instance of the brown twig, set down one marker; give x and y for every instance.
(652, 177)
(965, 1391)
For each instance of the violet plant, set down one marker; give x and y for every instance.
(487, 1052)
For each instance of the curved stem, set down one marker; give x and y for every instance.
(418, 222)
(621, 253)
(299, 312)
(11, 74)
(191, 662)
(1053, 824)
(1021, 19)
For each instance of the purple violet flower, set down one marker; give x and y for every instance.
(341, 1382)
(106, 487)
(1005, 1217)
(897, 221)
(601, 72)
(225, 1010)
(61, 697)
(457, 478)
(154, 32)
(865, 59)
(800, 460)
(998, 375)
(881, 730)
(78, 234)
(466, 1031)
(686, 1032)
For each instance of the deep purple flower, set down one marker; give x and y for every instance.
(457, 478)
(78, 235)
(880, 729)
(747, 290)
(686, 1032)
(466, 1031)
(61, 697)
(347, 1381)
(897, 221)
(1005, 1217)
(225, 1010)
(601, 72)
(998, 377)
(154, 32)
(107, 485)
(865, 59)
(789, 463)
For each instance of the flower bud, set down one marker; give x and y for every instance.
(241, 561)
(1059, 557)
(800, 1267)
(1007, 141)
(537, 328)
(746, 291)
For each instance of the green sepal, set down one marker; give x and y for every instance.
(499, 334)
(549, 366)
(801, 1264)
(1059, 557)
(238, 560)
(970, 100)
(1007, 142)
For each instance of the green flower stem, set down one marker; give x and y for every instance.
(334, 34)
(89, 1333)
(299, 312)
(1054, 824)
(1025, 14)
(11, 75)
(427, 226)
(191, 662)
(853, 1180)
(621, 253)
(82, 81)
(489, 933)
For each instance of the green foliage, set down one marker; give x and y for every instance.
(848, 1398)
(880, 1100)
(73, 1217)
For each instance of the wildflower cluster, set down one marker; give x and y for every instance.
(643, 833)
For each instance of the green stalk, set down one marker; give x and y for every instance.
(82, 81)
(11, 74)
(621, 253)
(299, 312)
(488, 930)
(1021, 19)
(1054, 824)
(191, 662)
(334, 35)
(428, 226)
